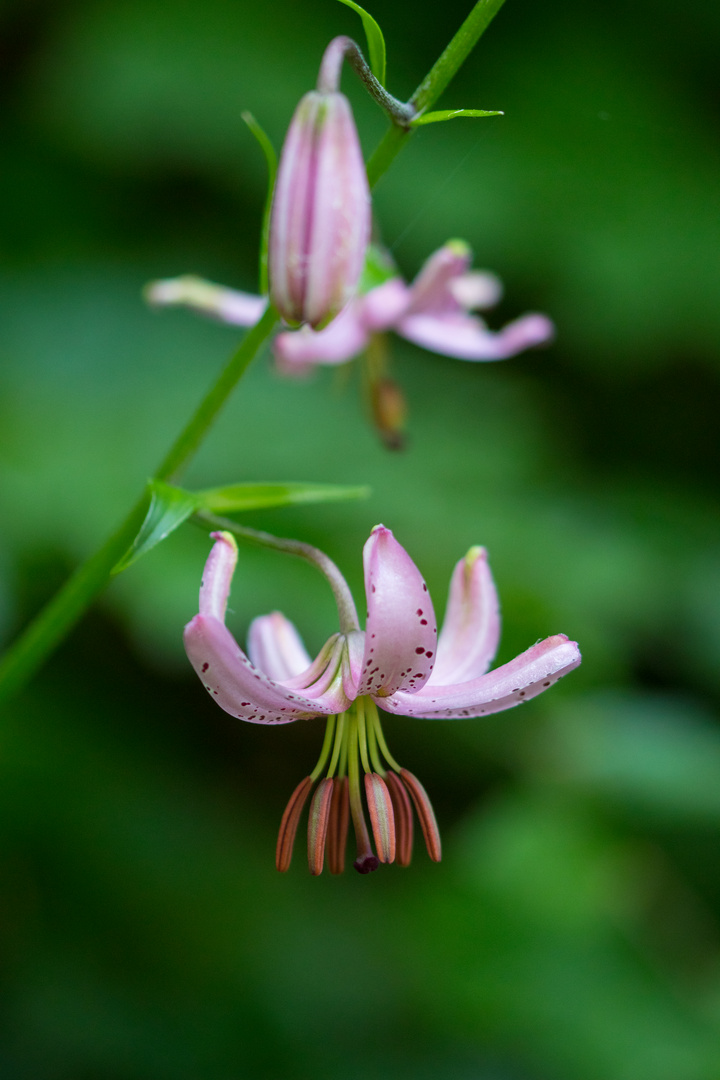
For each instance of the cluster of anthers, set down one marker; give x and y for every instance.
(355, 740)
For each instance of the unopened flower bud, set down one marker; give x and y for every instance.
(320, 223)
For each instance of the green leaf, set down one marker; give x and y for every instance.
(450, 114)
(169, 508)
(375, 40)
(378, 268)
(271, 158)
(256, 496)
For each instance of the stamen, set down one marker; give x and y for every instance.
(289, 824)
(318, 824)
(327, 743)
(372, 744)
(375, 719)
(381, 816)
(343, 766)
(403, 818)
(362, 733)
(340, 747)
(366, 860)
(425, 813)
(338, 826)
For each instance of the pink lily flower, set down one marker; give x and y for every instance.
(399, 663)
(435, 312)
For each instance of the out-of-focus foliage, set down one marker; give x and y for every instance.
(571, 932)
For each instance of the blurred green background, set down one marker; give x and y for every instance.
(571, 932)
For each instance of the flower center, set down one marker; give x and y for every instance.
(354, 742)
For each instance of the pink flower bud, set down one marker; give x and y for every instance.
(320, 222)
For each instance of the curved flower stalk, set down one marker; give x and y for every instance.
(399, 662)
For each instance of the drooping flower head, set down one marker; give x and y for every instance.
(320, 219)
(399, 663)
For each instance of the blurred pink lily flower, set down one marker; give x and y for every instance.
(435, 312)
(399, 662)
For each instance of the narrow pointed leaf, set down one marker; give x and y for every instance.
(271, 158)
(451, 114)
(169, 508)
(375, 40)
(254, 496)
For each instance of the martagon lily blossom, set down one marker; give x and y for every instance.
(399, 663)
(437, 312)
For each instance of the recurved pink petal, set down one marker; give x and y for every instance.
(346, 336)
(207, 298)
(476, 290)
(249, 694)
(217, 575)
(467, 338)
(431, 288)
(401, 632)
(275, 647)
(523, 678)
(382, 306)
(471, 629)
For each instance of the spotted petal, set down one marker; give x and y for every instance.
(401, 632)
(523, 678)
(469, 637)
(244, 691)
(236, 684)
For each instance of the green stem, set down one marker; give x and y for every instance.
(47, 630)
(189, 439)
(57, 618)
(432, 86)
